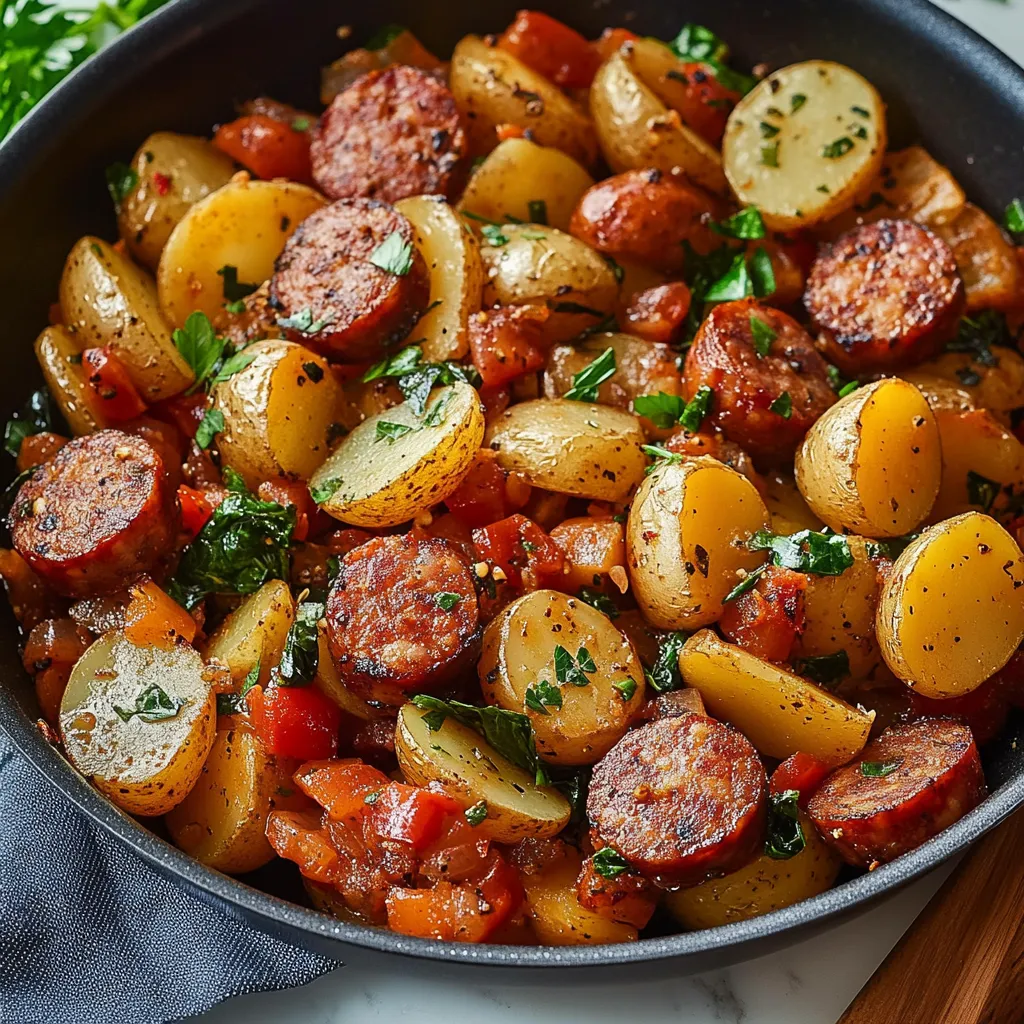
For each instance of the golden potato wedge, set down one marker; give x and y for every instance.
(278, 412)
(254, 633)
(578, 722)
(518, 175)
(329, 683)
(840, 614)
(223, 820)
(952, 611)
(686, 540)
(60, 359)
(108, 301)
(764, 885)
(173, 172)
(452, 255)
(823, 140)
(778, 711)
(138, 722)
(383, 476)
(996, 385)
(786, 505)
(491, 87)
(469, 769)
(590, 451)
(872, 464)
(636, 130)
(244, 225)
(542, 266)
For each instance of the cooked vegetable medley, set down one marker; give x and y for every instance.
(563, 485)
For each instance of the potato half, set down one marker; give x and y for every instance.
(872, 464)
(802, 145)
(778, 711)
(173, 173)
(329, 683)
(590, 451)
(60, 359)
(952, 611)
(244, 225)
(452, 255)
(764, 885)
(996, 385)
(278, 412)
(108, 301)
(491, 87)
(636, 129)
(145, 762)
(786, 505)
(471, 770)
(686, 540)
(385, 475)
(520, 653)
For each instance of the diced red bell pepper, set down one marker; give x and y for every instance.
(522, 550)
(485, 494)
(552, 49)
(186, 412)
(341, 787)
(702, 101)
(195, 509)
(768, 619)
(295, 721)
(611, 41)
(802, 772)
(507, 343)
(412, 815)
(113, 392)
(297, 836)
(267, 147)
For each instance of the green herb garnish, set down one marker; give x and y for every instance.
(573, 670)
(390, 432)
(785, 834)
(301, 656)
(602, 602)
(541, 696)
(839, 147)
(234, 290)
(212, 423)
(879, 769)
(585, 384)
(763, 335)
(982, 491)
(477, 813)
(820, 554)
(153, 704)
(824, 668)
(747, 224)
(664, 675)
(394, 255)
(782, 406)
(34, 417)
(446, 600)
(608, 863)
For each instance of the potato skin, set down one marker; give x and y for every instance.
(59, 358)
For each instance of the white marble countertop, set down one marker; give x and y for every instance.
(809, 983)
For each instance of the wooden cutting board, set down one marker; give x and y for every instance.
(962, 960)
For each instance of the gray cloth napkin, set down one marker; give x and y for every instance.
(89, 934)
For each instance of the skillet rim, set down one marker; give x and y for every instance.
(174, 27)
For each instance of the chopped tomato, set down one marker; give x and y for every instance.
(297, 836)
(767, 619)
(507, 343)
(290, 492)
(802, 772)
(412, 815)
(154, 619)
(340, 787)
(186, 412)
(702, 101)
(52, 648)
(611, 41)
(195, 509)
(295, 721)
(486, 493)
(552, 49)
(115, 396)
(658, 314)
(39, 448)
(522, 550)
(984, 710)
(627, 898)
(267, 147)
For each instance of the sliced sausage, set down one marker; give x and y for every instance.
(764, 403)
(98, 515)
(645, 215)
(658, 314)
(387, 628)
(883, 296)
(908, 785)
(390, 134)
(331, 293)
(681, 799)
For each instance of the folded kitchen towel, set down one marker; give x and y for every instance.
(89, 934)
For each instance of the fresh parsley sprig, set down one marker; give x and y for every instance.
(416, 379)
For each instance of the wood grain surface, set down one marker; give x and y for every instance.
(962, 961)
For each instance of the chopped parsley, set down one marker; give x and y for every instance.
(212, 423)
(34, 417)
(626, 688)
(982, 491)
(848, 388)
(837, 148)
(477, 813)
(416, 379)
(153, 704)
(879, 769)
(234, 290)
(662, 410)
(394, 255)
(770, 155)
(824, 668)
(301, 656)
(796, 101)
(446, 600)
(541, 696)
(121, 179)
(745, 277)
(493, 235)
(602, 602)
(747, 224)
(697, 408)
(768, 131)
(785, 834)
(763, 335)
(390, 432)
(585, 384)
(1014, 218)
(573, 670)
(300, 124)
(697, 44)
(608, 863)
(820, 554)
(979, 335)
(664, 675)
(782, 406)
(303, 321)
(747, 583)
(325, 491)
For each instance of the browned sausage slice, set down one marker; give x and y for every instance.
(908, 785)
(333, 297)
(646, 216)
(681, 799)
(765, 403)
(98, 515)
(884, 295)
(388, 629)
(390, 134)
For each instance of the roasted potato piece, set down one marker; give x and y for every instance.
(762, 886)
(636, 129)
(542, 266)
(872, 463)
(686, 540)
(173, 173)
(593, 546)
(452, 255)
(779, 712)
(824, 140)
(536, 657)
(385, 475)
(491, 87)
(60, 359)
(470, 770)
(138, 722)
(329, 683)
(108, 301)
(952, 611)
(786, 505)
(277, 412)
(517, 176)
(244, 225)
(996, 385)
(589, 451)
(254, 633)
